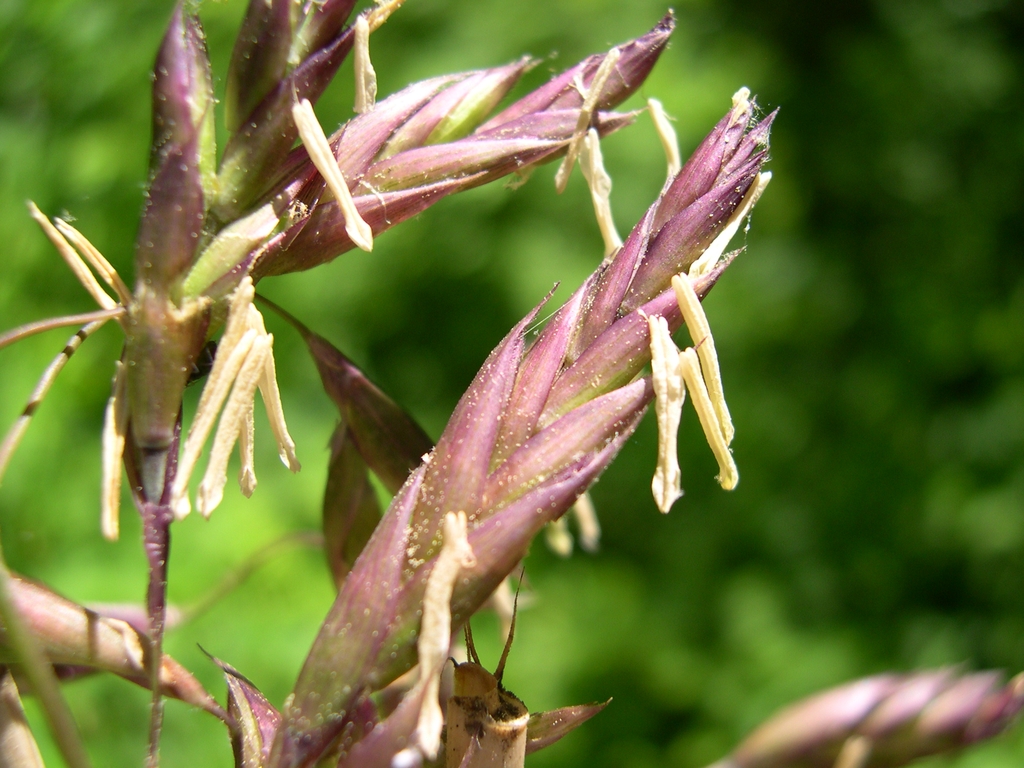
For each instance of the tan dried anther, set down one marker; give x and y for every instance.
(558, 538)
(366, 77)
(700, 331)
(600, 183)
(216, 391)
(134, 653)
(381, 11)
(72, 259)
(247, 470)
(115, 427)
(669, 395)
(244, 362)
(315, 141)
(590, 97)
(503, 602)
(436, 627)
(80, 255)
(232, 420)
(855, 753)
(728, 475)
(96, 260)
(713, 253)
(587, 523)
(271, 394)
(667, 136)
(234, 346)
(740, 105)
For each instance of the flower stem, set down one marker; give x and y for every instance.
(40, 674)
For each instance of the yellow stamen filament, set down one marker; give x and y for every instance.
(96, 260)
(669, 395)
(211, 489)
(600, 183)
(700, 331)
(713, 253)
(436, 627)
(366, 78)
(115, 427)
(315, 141)
(587, 522)
(72, 259)
(667, 135)
(728, 475)
(590, 98)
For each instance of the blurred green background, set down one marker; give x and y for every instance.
(872, 344)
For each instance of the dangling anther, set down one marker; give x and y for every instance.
(669, 395)
(713, 252)
(366, 78)
(728, 475)
(587, 523)
(315, 141)
(244, 362)
(115, 428)
(436, 627)
(72, 259)
(600, 183)
(590, 99)
(667, 136)
(700, 331)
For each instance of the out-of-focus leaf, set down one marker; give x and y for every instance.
(387, 438)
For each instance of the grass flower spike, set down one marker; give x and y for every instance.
(548, 411)
(885, 720)
(534, 430)
(419, 535)
(436, 630)
(669, 395)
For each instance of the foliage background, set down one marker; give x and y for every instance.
(872, 341)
